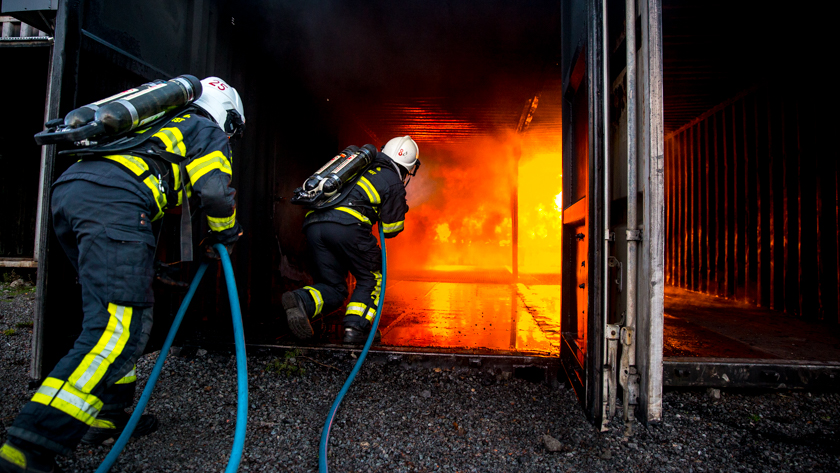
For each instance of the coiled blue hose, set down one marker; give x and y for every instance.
(325, 433)
(241, 369)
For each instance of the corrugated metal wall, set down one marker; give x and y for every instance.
(752, 205)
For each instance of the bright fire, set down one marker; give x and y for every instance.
(461, 209)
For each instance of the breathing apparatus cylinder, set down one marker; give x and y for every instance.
(149, 103)
(316, 180)
(122, 112)
(328, 180)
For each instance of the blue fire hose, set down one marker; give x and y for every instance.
(241, 369)
(325, 433)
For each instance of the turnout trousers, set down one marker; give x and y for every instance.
(336, 249)
(107, 234)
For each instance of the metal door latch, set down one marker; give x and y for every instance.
(634, 235)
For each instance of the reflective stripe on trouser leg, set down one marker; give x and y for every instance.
(317, 298)
(92, 368)
(71, 397)
(130, 377)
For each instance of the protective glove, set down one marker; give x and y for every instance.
(209, 245)
(166, 274)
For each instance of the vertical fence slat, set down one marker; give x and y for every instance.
(791, 214)
(674, 211)
(695, 211)
(740, 199)
(683, 189)
(726, 206)
(710, 217)
(751, 204)
(668, 211)
(702, 204)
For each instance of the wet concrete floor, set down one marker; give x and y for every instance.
(465, 311)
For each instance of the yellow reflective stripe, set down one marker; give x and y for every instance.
(370, 314)
(369, 190)
(218, 224)
(316, 296)
(377, 290)
(201, 166)
(173, 139)
(138, 167)
(110, 346)
(48, 390)
(355, 308)
(13, 456)
(354, 213)
(66, 398)
(83, 406)
(307, 213)
(103, 424)
(129, 378)
(394, 227)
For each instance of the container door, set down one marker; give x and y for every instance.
(582, 323)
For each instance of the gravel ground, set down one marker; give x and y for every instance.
(399, 418)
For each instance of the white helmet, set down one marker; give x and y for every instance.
(222, 102)
(403, 151)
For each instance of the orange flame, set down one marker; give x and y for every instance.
(461, 206)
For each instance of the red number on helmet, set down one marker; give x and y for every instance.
(218, 84)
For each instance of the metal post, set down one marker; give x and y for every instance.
(514, 212)
(609, 389)
(57, 62)
(628, 374)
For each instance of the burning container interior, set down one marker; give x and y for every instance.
(490, 93)
(477, 269)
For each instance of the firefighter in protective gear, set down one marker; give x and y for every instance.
(103, 208)
(340, 241)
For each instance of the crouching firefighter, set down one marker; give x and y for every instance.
(103, 207)
(338, 232)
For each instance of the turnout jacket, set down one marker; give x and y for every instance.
(207, 154)
(378, 195)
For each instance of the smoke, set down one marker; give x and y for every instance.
(407, 48)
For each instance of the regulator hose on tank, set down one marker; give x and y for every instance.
(241, 369)
(325, 433)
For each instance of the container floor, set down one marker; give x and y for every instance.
(699, 325)
(462, 310)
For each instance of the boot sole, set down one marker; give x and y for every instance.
(296, 318)
(376, 339)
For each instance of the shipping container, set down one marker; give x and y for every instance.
(694, 243)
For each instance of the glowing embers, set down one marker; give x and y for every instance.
(472, 316)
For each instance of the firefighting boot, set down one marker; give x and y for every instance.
(18, 459)
(108, 426)
(355, 336)
(296, 316)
